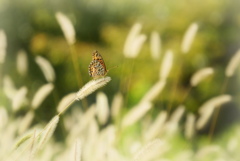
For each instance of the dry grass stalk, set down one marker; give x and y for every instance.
(233, 64)
(91, 86)
(190, 126)
(46, 68)
(136, 113)
(65, 102)
(116, 106)
(155, 45)
(154, 91)
(48, 132)
(189, 37)
(201, 75)
(166, 65)
(102, 108)
(22, 63)
(67, 27)
(156, 127)
(3, 46)
(41, 94)
(19, 98)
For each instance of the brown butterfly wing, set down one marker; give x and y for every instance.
(97, 56)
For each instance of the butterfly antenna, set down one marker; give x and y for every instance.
(112, 67)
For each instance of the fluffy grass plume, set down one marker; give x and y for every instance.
(117, 104)
(134, 41)
(189, 37)
(9, 87)
(201, 75)
(41, 94)
(3, 46)
(46, 68)
(166, 65)
(91, 86)
(136, 113)
(233, 64)
(190, 126)
(48, 132)
(155, 45)
(206, 110)
(102, 108)
(67, 27)
(22, 63)
(19, 98)
(65, 101)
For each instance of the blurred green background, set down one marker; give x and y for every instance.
(104, 26)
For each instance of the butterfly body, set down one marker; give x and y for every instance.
(97, 67)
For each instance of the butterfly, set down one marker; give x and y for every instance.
(97, 67)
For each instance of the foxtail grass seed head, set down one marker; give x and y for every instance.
(67, 27)
(92, 86)
(134, 32)
(26, 122)
(156, 127)
(190, 126)
(117, 104)
(102, 108)
(233, 64)
(3, 117)
(201, 75)
(22, 63)
(19, 98)
(46, 68)
(189, 37)
(166, 65)
(136, 113)
(206, 110)
(41, 94)
(137, 45)
(155, 45)
(76, 151)
(9, 87)
(152, 150)
(64, 102)
(3, 46)
(154, 91)
(48, 132)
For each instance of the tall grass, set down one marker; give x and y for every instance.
(114, 132)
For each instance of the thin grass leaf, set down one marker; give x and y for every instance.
(155, 45)
(22, 63)
(166, 65)
(189, 37)
(76, 151)
(67, 27)
(102, 108)
(201, 75)
(46, 68)
(41, 94)
(233, 64)
(91, 86)
(3, 46)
